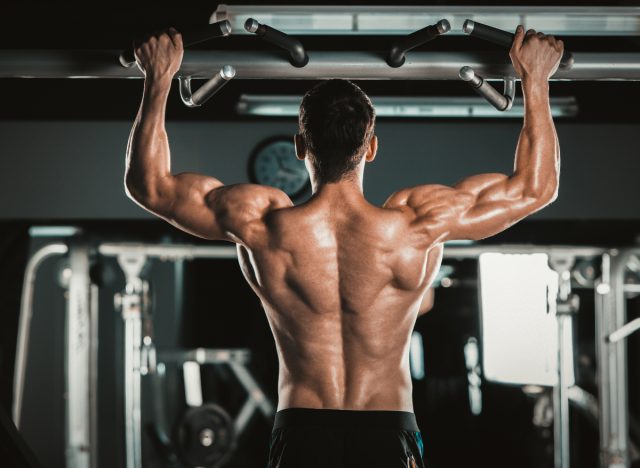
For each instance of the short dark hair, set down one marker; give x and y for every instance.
(336, 122)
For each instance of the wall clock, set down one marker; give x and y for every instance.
(274, 163)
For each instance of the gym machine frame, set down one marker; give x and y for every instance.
(610, 325)
(81, 350)
(140, 354)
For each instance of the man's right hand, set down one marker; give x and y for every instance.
(535, 55)
(160, 56)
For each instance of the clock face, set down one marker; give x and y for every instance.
(274, 163)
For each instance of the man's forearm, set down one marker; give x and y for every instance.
(537, 155)
(148, 158)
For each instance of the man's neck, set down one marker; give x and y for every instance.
(344, 190)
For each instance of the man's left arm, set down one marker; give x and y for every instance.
(198, 204)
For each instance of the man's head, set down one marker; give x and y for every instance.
(336, 123)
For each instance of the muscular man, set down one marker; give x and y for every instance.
(342, 280)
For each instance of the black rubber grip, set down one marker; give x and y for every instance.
(297, 53)
(399, 48)
(504, 38)
(189, 37)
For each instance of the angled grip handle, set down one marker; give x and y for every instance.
(504, 38)
(399, 48)
(297, 54)
(189, 37)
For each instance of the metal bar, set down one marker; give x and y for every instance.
(201, 64)
(584, 401)
(205, 356)
(611, 362)
(171, 252)
(132, 302)
(474, 251)
(245, 415)
(561, 426)
(189, 251)
(619, 444)
(24, 326)
(207, 90)
(93, 371)
(133, 416)
(400, 19)
(562, 263)
(78, 361)
(625, 330)
(252, 388)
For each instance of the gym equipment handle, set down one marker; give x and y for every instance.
(503, 38)
(189, 37)
(502, 102)
(208, 89)
(399, 48)
(297, 54)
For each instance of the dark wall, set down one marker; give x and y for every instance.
(74, 169)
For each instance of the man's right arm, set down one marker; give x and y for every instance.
(486, 204)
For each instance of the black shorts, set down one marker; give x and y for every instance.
(320, 438)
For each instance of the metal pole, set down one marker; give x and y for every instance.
(78, 361)
(203, 64)
(24, 326)
(611, 362)
(133, 425)
(93, 368)
(561, 428)
(175, 252)
(566, 305)
(131, 303)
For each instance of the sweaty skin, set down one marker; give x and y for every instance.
(342, 281)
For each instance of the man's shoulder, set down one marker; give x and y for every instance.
(413, 197)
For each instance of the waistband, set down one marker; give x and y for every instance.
(332, 418)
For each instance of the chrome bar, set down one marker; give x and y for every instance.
(624, 331)
(131, 303)
(202, 64)
(207, 90)
(566, 306)
(610, 305)
(132, 383)
(94, 311)
(598, 20)
(24, 326)
(79, 450)
(168, 251)
(189, 251)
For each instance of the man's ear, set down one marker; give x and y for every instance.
(373, 149)
(301, 148)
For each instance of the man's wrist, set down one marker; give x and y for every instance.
(535, 88)
(158, 83)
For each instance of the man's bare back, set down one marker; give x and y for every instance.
(341, 282)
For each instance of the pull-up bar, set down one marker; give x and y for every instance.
(199, 64)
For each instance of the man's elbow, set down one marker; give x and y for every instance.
(541, 195)
(140, 192)
(549, 194)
